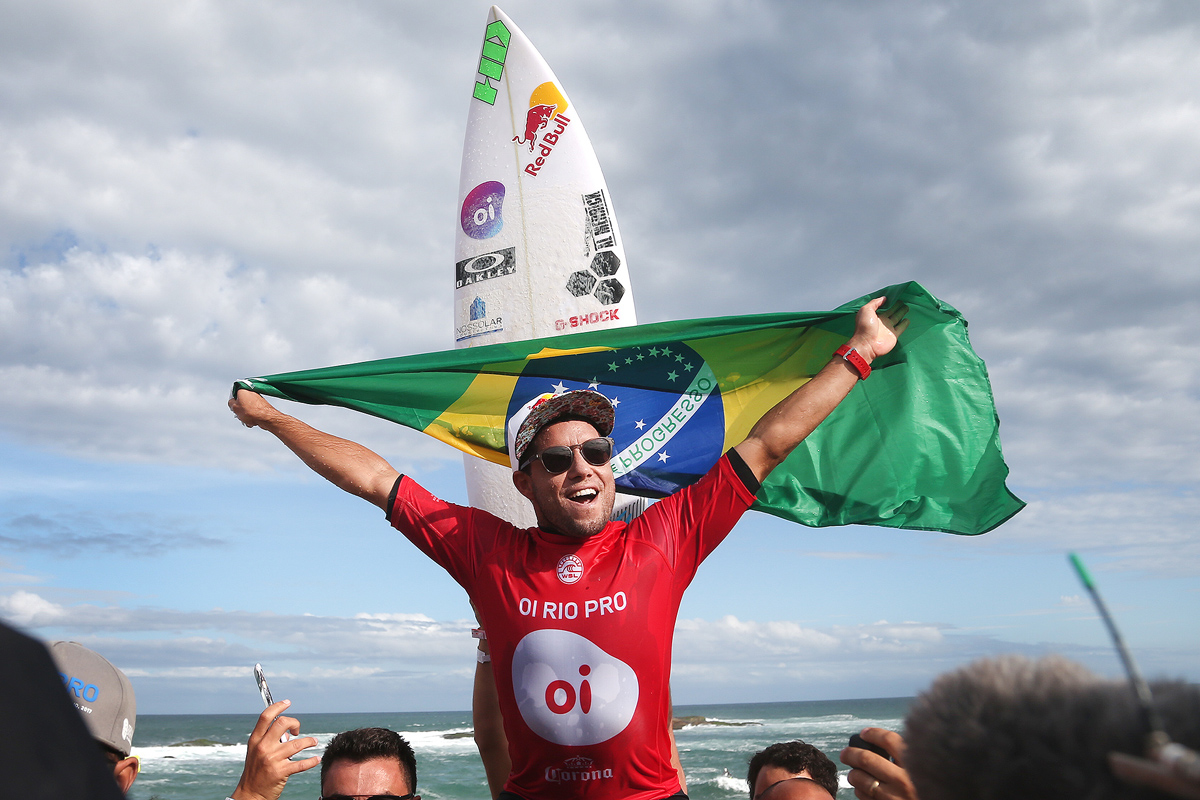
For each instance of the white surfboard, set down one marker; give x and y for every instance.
(537, 249)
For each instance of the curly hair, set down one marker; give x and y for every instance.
(1007, 728)
(795, 757)
(364, 744)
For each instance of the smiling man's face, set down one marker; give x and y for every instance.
(577, 502)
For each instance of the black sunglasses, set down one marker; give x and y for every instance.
(560, 457)
(409, 796)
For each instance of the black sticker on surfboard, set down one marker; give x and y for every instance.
(485, 267)
(598, 222)
(581, 283)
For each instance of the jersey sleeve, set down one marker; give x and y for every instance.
(688, 525)
(452, 535)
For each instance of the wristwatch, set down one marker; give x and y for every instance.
(855, 360)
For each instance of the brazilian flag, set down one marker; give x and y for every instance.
(916, 445)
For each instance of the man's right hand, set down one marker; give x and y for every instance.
(874, 777)
(268, 764)
(347, 465)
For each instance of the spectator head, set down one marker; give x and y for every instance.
(105, 698)
(786, 760)
(368, 761)
(1012, 727)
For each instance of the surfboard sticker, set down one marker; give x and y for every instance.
(537, 248)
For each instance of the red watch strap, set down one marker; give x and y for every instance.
(857, 361)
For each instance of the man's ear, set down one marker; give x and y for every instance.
(125, 772)
(524, 484)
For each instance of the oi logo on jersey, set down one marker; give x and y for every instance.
(570, 691)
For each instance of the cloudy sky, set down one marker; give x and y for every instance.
(196, 192)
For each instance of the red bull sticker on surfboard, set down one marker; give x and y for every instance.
(545, 123)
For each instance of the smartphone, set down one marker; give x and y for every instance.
(863, 744)
(263, 689)
(261, 678)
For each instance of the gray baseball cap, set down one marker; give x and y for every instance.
(100, 691)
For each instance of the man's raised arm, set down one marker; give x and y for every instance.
(786, 425)
(343, 463)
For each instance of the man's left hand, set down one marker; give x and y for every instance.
(268, 760)
(876, 333)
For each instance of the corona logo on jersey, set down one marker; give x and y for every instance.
(571, 692)
(670, 420)
(547, 112)
(578, 769)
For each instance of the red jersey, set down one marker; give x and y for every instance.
(580, 630)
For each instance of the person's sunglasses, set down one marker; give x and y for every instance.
(409, 796)
(560, 457)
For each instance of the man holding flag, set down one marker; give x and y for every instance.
(580, 611)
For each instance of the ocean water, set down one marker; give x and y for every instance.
(186, 757)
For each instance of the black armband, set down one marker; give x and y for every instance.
(387, 512)
(743, 471)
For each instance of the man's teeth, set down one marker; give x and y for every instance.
(585, 494)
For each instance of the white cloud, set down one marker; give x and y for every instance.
(302, 636)
(14, 574)
(200, 673)
(1148, 529)
(131, 357)
(30, 610)
(732, 640)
